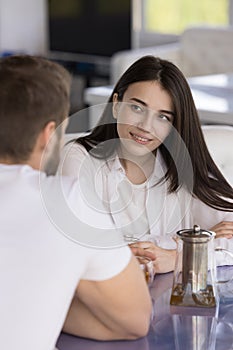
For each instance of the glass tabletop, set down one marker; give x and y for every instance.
(178, 329)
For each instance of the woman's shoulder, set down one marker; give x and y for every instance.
(72, 156)
(74, 148)
(75, 152)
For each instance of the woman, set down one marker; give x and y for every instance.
(152, 167)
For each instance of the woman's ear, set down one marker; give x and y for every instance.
(115, 105)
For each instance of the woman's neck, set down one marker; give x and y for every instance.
(139, 168)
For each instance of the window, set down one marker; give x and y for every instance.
(173, 16)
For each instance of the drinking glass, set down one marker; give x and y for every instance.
(147, 267)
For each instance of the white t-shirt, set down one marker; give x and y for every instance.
(39, 266)
(166, 213)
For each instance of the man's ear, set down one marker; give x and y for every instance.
(115, 105)
(46, 133)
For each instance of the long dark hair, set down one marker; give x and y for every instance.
(209, 185)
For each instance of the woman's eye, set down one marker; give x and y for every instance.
(136, 108)
(165, 117)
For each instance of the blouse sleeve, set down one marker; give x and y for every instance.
(207, 217)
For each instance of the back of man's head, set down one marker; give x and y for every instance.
(33, 92)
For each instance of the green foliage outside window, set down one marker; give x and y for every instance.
(172, 16)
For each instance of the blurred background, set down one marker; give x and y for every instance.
(86, 35)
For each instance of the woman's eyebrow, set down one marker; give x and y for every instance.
(145, 104)
(167, 112)
(139, 101)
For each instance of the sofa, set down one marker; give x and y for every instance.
(201, 50)
(219, 139)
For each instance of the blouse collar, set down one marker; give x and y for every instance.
(114, 165)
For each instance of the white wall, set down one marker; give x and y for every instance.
(23, 26)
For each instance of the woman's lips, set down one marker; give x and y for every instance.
(140, 139)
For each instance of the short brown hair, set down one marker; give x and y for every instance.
(33, 92)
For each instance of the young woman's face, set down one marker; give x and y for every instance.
(145, 117)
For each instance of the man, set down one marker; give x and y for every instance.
(41, 270)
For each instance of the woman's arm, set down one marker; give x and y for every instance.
(163, 259)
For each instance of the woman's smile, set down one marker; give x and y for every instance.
(139, 138)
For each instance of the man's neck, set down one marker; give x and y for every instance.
(32, 162)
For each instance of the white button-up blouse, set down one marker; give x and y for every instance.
(147, 211)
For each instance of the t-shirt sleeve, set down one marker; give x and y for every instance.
(107, 263)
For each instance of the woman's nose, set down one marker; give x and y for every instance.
(147, 122)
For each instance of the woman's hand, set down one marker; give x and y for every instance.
(138, 251)
(223, 229)
(163, 259)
